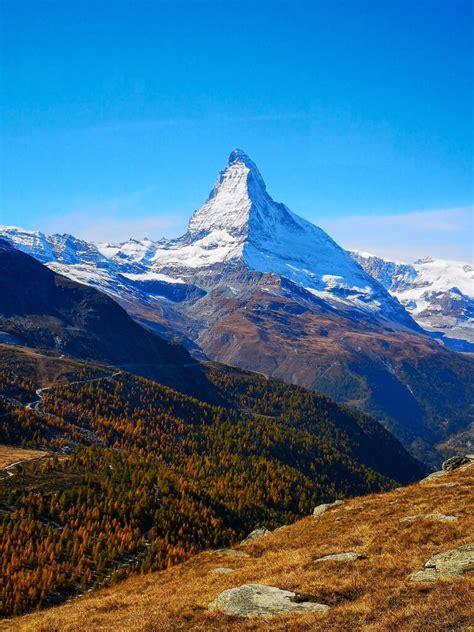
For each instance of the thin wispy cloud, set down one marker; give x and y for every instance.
(445, 233)
(117, 219)
(149, 125)
(146, 125)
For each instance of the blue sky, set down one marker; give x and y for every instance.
(117, 116)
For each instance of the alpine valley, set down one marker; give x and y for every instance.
(254, 286)
(161, 399)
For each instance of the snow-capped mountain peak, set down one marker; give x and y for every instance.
(439, 294)
(239, 226)
(238, 199)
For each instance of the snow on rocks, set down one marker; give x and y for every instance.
(439, 294)
(238, 225)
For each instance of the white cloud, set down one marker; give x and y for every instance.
(444, 233)
(117, 219)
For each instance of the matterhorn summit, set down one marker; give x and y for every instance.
(238, 191)
(241, 225)
(238, 228)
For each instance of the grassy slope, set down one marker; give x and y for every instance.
(372, 594)
(10, 454)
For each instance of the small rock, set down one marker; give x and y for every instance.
(340, 557)
(445, 485)
(427, 575)
(221, 570)
(232, 553)
(320, 509)
(454, 462)
(433, 476)
(257, 600)
(256, 534)
(452, 563)
(437, 517)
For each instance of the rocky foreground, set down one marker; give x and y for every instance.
(403, 560)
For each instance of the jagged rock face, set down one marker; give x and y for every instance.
(438, 294)
(240, 224)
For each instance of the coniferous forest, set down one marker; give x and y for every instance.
(137, 476)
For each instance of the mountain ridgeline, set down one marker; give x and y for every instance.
(42, 309)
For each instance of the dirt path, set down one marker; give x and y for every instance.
(8, 470)
(35, 404)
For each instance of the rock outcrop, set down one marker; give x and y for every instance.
(350, 556)
(434, 517)
(232, 553)
(456, 461)
(256, 534)
(257, 600)
(452, 563)
(320, 509)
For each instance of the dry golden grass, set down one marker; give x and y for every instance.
(10, 454)
(43, 368)
(373, 594)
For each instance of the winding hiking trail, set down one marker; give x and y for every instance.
(35, 404)
(9, 470)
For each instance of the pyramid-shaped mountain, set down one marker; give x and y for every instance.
(240, 224)
(253, 285)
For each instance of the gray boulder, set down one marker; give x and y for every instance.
(257, 600)
(434, 475)
(221, 570)
(433, 517)
(256, 534)
(340, 557)
(452, 563)
(320, 509)
(231, 553)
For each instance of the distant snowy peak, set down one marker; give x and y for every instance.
(438, 293)
(64, 248)
(425, 274)
(240, 205)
